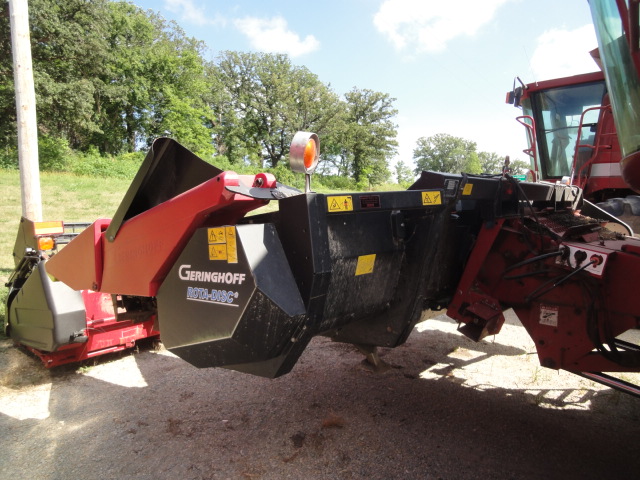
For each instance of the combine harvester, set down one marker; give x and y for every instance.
(573, 140)
(181, 257)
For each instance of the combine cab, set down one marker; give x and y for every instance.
(573, 140)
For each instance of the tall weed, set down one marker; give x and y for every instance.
(92, 164)
(53, 154)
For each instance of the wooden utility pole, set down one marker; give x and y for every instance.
(26, 109)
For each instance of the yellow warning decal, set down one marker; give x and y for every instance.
(216, 235)
(467, 189)
(365, 264)
(431, 198)
(232, 249)
(222, 244)
(48, 228)
(342, 203)
(217, 251)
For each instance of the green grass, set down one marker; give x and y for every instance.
(64, 197)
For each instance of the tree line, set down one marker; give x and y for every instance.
(446, 153)
(110, 77)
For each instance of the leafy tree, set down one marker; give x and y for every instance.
(68, 50)
(7, 93)
(491, 162)
(124, 93)
(179, 105)
(110, 75)
(404, 175)
(369, 136)
(445, 153)
(154, 84)
(377, 172)
(519, 167)
(267, 100)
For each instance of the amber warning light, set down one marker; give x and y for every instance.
(303, 155)
(44, 232)
(304, 152)
(46, 243)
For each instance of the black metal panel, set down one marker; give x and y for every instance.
(302, 227)
(434, 255)
(359, 267)
(381, 306)
(168, 170)
(260, 318)
(201, 299)
(263, 333)
(266, 259)
(303, 277)
(352, 236)
(494, 196)
(370, 202)
(276, 366)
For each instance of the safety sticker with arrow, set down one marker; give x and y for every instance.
(432, 198)
(342, 203)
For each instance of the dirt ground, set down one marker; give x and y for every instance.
(446, 408)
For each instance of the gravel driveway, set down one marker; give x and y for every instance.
(445, 408)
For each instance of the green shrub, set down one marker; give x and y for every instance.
(386, 187)
(285, 175)
(221, 162)
(9, 157)
(224, 164)
(335, 182)
(53, 153)
(93, 164)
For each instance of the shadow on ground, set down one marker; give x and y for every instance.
(150, 415)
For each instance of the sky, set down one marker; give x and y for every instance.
(448, 63)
